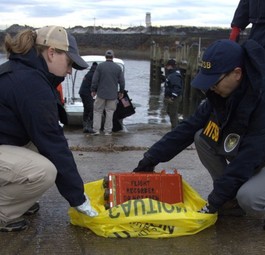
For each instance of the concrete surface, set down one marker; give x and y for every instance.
(51, 233)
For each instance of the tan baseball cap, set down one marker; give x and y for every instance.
(57, 37)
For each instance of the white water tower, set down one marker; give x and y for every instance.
(148, 19)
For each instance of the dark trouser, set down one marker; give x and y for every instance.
(251, 195)
(257, 33)
(88, 102)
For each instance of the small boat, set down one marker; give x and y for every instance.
(70, 86)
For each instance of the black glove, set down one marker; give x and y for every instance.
(207, 209)
(145, 165)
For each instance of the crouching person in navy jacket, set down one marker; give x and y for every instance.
(34, 152)
(228, 128)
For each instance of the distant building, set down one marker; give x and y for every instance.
(148, 19)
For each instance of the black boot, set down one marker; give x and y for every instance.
(87, 127)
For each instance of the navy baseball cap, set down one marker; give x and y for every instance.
(171, 62)
(220, 58)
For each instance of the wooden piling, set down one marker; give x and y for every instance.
(166, 55)
(190, 94)
(155, 67)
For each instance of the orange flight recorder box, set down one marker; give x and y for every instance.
(121, 187)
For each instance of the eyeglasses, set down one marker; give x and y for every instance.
(69, 60)
(216, 84)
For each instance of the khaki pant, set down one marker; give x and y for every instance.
(99, 106)
(24, 176)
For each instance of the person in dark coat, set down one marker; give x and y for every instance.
(173, 91)
(34, 153)
(227, 127)
(87, 99)
(249, 12)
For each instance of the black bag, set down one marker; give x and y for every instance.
(125, 107)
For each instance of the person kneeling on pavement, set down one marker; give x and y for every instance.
(227, 128)
(34, 152)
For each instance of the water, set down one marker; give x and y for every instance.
(149, 106)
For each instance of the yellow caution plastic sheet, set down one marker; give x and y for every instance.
(144, 217)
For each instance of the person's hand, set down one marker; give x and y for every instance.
(93, 94)
(86, 208)
(234, 34)
(169, 100)
(120, 95)
(145, 165)
(207, 209)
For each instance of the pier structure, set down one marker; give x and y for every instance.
(188, 59)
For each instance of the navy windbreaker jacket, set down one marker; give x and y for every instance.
(249, 11)
(30, 111)
(243, 112)
(85, 88)
(173, 83)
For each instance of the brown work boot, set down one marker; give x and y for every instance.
(17, 224)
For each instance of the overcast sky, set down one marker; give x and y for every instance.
(116, 13)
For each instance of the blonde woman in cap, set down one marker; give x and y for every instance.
(34, 153)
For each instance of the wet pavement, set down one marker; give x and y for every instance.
(51, 233)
